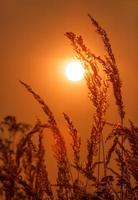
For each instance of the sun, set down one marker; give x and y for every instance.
(74, 71)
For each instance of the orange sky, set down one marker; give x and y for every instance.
(34, 49)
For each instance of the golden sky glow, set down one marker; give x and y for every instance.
(33, 47)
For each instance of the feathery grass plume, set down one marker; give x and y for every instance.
(76, 140)
(21, 146)
(105, 189)
(35, 183)
(42, 183)
(44, 107)
(125, 180)
(129, 159)
(97, 93)
(59, 148)
(116, 133)
(132, 159)
(111, 150)
(104, 37)
(129, 134)
(29, 192)
(133, 139)
(98, 96)
(83, 53)
(110, 67)
(113, 74)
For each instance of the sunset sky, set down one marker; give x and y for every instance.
(35, 50)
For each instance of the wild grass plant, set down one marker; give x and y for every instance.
(23, 170)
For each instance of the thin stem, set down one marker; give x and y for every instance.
(122, 167)
(78, 174)
(99, 157)
(103, 155)
(70, 172)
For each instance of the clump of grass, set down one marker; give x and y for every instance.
(23, 170)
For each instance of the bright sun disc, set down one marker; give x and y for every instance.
(74, 71)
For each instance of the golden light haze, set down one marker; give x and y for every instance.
(34, 48)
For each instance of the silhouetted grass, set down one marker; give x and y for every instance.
(23, 170)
